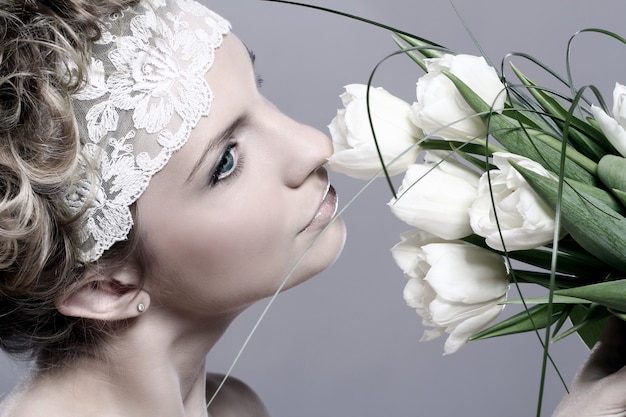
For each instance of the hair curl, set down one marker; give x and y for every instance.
(44, 52)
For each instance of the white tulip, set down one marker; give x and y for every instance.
(436, 195)
(457, 288)
(523, 218)
(354, 148)
(440, 109)
(614, 127)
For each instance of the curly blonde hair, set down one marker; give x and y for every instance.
(40, 41)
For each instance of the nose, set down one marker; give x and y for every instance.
(305, 150)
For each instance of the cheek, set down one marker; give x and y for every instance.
(212, 242)
(216, 250)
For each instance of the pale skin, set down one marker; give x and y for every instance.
(218, 248)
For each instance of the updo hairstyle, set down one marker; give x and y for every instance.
(44, 53)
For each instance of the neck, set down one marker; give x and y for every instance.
(154, 367)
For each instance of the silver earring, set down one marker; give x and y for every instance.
(141, 308)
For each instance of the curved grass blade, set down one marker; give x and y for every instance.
(586, 137)
(360, 19)
(280, 288)
(568, 66)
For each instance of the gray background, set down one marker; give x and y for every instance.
(344, 344)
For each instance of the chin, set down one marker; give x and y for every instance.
(325, 252)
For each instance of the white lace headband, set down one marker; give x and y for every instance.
(146, 91)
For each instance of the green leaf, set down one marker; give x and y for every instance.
(477, 162)
(567, 264)
(417, 46)
(544, 279)
(411, 54)
(510, 134)
(589, 327)
(447, 145)
(590, 166)
(559, 324)
(525, 114)
(593, 224)
(556, 299)
(574, 264)
(532, 319)
(598, 194)
(610, 294)
(423, 45)
(584, 135)
(620, 195)
(618, 314)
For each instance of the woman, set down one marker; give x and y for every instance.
(237, 193)
(124, 266)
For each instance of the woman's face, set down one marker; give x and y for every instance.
(233, 210)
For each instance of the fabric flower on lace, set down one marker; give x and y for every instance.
(149, 79)
(146, 90)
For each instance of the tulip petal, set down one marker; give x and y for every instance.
(441, 111)
(355, 151)
(611, 129)
(508, 210)
(462, 333)
(456, 287)
(461, 272)
(593, 224)
(420, 202)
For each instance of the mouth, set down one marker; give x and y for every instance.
(326, 210)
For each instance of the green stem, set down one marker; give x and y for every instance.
(490, 146)
(572, 154)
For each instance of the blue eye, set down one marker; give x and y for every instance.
(227, 165)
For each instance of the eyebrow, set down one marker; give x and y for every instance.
(257, 78)
(224, 136)
(251, 54)
(217, 142)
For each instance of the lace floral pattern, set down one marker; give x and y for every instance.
(145, 92)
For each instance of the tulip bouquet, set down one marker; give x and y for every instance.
(505, 182)
(516, 184)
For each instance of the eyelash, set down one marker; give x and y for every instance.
(217, 177)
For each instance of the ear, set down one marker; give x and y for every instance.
(110, 296)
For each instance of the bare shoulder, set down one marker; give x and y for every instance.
(235, 398)
(16, 405)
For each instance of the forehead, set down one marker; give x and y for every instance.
(144, 91)
(232, 82)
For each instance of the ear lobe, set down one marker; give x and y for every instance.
(112, 297)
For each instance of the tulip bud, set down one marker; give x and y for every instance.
(457, 288)
(612, 172)
(355, 151)
(614, 127)
(435, 196)
(524, 220)
(440, 109)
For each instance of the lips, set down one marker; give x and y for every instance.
(326, 210)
